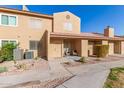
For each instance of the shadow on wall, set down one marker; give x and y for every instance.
(42, 50)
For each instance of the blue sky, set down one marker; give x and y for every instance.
(93, 18)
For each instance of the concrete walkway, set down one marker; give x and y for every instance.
(90, 76)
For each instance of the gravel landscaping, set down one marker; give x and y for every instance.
(23, 66)
(94, 60)
(42, 84)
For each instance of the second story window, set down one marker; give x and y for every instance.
(35, 23)
(68, 26)
(8, 20)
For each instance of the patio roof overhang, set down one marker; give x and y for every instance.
(81, 36)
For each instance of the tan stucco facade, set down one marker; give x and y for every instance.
(23, 33)
(54, 47)
(66, 17)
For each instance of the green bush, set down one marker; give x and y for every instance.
(102, 50)
(3, 69)
(82, 59)
(6, 52)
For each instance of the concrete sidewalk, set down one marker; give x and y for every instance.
(91, 75)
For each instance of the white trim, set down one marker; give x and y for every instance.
(8, 40)
(9, 15)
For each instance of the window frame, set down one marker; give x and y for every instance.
(35, 46)
(8, 19)
(7, 40)
(67, 26)
(34, 20)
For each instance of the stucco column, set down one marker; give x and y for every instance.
(84, 48)
(104, 42)
(48, 45)
(122, 47)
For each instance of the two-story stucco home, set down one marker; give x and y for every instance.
(54, 35)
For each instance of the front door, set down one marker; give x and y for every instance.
(56, 48)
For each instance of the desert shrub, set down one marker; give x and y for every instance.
(82, 59)
(14, 61)
(21, 66)
(36, 58)
(6, 52)
(3, 69)
(102, 50)
(67, 63)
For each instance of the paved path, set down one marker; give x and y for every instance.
(91, 75)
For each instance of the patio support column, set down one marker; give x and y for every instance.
(48, 45)
(104, 42)
(84, 48)
(122, 47)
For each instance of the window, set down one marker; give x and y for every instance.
(8, 20)
(34, 45)
(4, 42)
(12, 20)
(68, 26)
(4, 20)
(13, 42)
(35, 23)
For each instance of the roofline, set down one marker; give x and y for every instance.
(79, 36)
(22, 12)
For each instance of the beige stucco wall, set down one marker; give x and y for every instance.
(117, 47)
(104, 42)
(84, 48)
(111, 48)
(23, 32)
(55, 48)
(78, 46)
(61, 18)
(122, 47)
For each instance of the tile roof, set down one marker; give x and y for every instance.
(84, 35)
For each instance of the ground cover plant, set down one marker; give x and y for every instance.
(115, 78)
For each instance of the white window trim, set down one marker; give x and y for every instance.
(67, 24)
(9, 15)
(7, 40)
(41, 21)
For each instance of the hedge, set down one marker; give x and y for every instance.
(102, 50)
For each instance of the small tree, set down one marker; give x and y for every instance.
(6, 52)
(102, 50)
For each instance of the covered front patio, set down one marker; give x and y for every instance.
(61, 45)
(115, 47)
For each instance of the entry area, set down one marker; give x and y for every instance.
(70, 47)
(64, 47)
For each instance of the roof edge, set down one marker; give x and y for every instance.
(16, 11)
